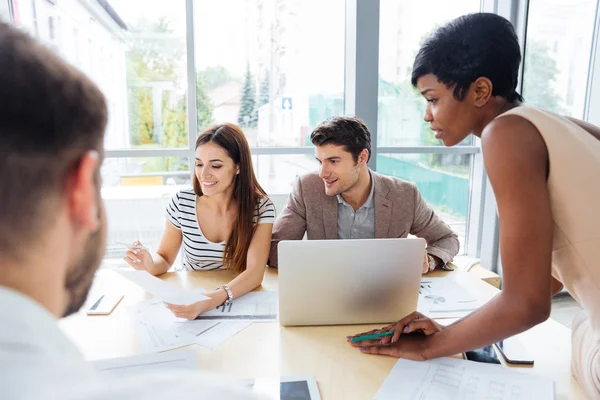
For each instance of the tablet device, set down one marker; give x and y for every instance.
(297, 387)
(487, 355)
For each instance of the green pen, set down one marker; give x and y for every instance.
(373, 336)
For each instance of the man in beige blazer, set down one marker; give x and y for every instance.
(346, 200)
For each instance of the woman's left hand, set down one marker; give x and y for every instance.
(191, 311)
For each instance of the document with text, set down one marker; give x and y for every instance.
(455, 379)
(251, 307)
(445, 298)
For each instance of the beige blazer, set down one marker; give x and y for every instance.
(399, 210)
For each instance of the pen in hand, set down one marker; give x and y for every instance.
(373, 336)
(131, 246)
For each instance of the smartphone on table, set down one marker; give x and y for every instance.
(104, 304)
(514, 352)
(511, 350)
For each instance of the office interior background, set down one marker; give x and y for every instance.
(277, 68)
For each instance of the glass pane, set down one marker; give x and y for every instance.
(124, 173)
(276, 173)
(442, 179)
(135, 193)
(135, 52)
(274, 72)
(557, 54)
(402, 29)
(4, 11)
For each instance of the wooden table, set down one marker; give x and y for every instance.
(269, 350)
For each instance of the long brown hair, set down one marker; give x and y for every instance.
(246, 191)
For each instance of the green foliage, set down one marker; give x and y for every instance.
(263, 95)
(213, 77)
(141, 121)
(540, 75)
(248, 101)
(154, 55)
(204, 106)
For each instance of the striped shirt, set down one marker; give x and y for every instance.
(198, 252)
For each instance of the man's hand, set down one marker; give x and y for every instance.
(425, 264)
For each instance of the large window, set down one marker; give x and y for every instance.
(278, 68)
(447, 191)
(557, 55)
(274, 67)
(443, 179)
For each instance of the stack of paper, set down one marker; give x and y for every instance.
(159, 330)
(454, 379)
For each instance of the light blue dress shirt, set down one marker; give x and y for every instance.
(359, 224)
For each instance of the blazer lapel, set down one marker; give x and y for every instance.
(383, 207)
(330, 217)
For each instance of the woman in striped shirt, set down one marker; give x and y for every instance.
(225, 221)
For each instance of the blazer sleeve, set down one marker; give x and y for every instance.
(442, 242)
(291, 224)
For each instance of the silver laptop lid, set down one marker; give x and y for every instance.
(353, 281)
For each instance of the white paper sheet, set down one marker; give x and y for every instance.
(173, 360)
(163, 290)
(446, 298)
(251, 307)
(454, 379)
(159, 330)
(212, 333)
(156, 337)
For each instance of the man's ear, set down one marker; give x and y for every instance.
(481, 91)
(363, 157)
(82, 192)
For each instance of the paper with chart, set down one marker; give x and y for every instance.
(163, 290)
(454, 379)
(211, 333)
(445, 298)
(174, 360)
(158, 329)
(251, 307)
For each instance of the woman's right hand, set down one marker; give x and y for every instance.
(138, 257)
(411, 323)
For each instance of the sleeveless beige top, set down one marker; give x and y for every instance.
(574, 187)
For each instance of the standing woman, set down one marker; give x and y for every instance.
(225, 221)
(545, 173)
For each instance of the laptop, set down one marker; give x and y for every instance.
(350, 281)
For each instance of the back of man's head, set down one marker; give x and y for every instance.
(51, 115)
